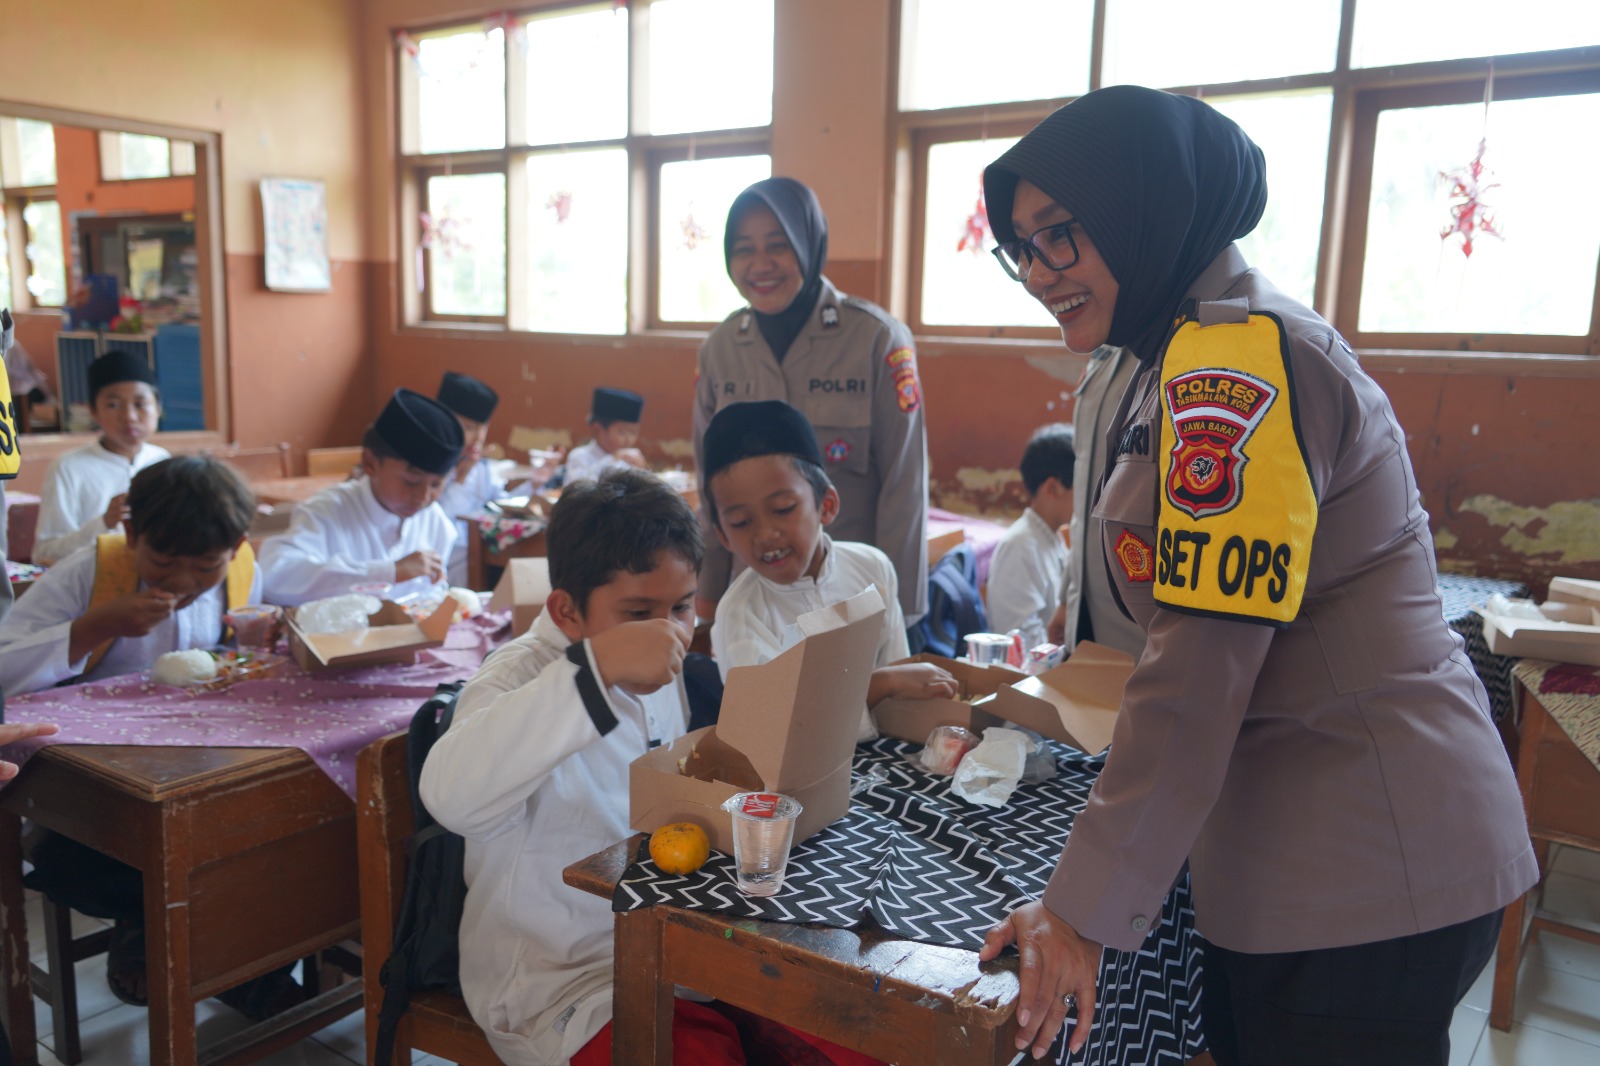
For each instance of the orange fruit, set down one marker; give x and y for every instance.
(679, 848)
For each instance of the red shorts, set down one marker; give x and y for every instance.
(704, 1037)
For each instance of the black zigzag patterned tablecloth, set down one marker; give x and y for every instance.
(1461, 594)
(913, 860)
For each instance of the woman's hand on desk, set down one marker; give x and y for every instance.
(131, 615)
(11, 732)
(1056, 962)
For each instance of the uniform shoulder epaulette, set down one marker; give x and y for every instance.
(856, 303)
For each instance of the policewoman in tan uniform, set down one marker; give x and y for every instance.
(846, 364)
(1302, 728)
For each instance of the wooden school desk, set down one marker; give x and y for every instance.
(248, 857)
(894, 999)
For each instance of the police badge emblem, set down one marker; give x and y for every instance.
(1214, 412)
(830, 316)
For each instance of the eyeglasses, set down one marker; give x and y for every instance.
(1052, 244)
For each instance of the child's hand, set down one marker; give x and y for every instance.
(138, 613)
(116, 511)
(914, 681)
(1056, 631)
(640, 657)
(633, 457)
(419, 564)
(12, 732)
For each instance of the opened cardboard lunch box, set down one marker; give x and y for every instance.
(1075, 703)
(1575, 590)
(1568, 632)
(391, 636)
(523, 589)
(913, 720)
(786, 726)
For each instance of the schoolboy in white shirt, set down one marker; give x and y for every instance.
(1028, 570)
(614, 416)
(384, 528)
(472, 483)
(85, 490)
(769, 501)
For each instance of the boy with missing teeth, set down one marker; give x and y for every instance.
(769, 501)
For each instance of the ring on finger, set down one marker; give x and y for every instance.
(1070, 1000)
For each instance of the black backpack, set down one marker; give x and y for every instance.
(425, 956)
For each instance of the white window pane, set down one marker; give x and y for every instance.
(578, 234)
(565, 52)
(691, 273)
(943, 62)
(1540, 278)
(966, 286)
(142, 156)
(466, 244)
(47, 267)
(461, 91)
(1293, 134)
(36, 144)
(1418, 31)
(710, 64)
(182, 158)
(1179, 42)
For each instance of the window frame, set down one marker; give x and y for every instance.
(1358, 93)
(108, 137)
(646, 153)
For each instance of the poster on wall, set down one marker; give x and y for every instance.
(294, 214)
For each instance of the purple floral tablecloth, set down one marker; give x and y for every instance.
(330, 715)
(500, 531)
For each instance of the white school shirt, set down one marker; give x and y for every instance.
(590, 461)
(536, 778)
(342, 536)
(1026, 576)
(756, 617)
(464, 497)
(78, 488)
(35, 636)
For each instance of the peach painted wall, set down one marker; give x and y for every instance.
(281, 84)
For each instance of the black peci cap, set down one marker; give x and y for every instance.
(616, 405)
(422, 431)
(118, 366)
(747, 430)
(467, 396)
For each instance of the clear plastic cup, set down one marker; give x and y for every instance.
(256, 625)
(763, 830)
(988, 649)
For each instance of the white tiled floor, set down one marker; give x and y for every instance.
(1557, 1018)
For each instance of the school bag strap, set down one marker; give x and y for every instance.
(116, 575)
(425, 955)
(954, 606)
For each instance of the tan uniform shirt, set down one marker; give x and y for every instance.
(852, 371)
(1334, 779)
(1088, 582)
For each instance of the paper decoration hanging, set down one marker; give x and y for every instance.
(560, 202)
(444, 232)
(975, 235)
(693, 233)
(1470, 213)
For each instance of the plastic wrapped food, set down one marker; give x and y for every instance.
(336, 614)
(946, 745)
(469, 604)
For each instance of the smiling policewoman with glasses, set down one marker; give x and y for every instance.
(1302, 728)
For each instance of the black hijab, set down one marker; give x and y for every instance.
(1161, 183)
(803, 223)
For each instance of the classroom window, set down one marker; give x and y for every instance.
(570, 141)
(27, 152)
(47, 268)
(1360, 146)
(130, 156)
(691, 213)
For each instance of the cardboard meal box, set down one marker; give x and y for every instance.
(786, 726)
(913, 720)
(392, 636)
(1568, 633)
(523, 589)
(1575, 590)
(1075, 703)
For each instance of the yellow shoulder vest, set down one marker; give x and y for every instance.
(10, 448)
(114, 575)
(1237, 507)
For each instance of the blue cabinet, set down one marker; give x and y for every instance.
(183, 403)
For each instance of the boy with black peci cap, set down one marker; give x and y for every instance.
(385, 527)
(85, 491)
(769, 500)
(472, 483)
(614, 416)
